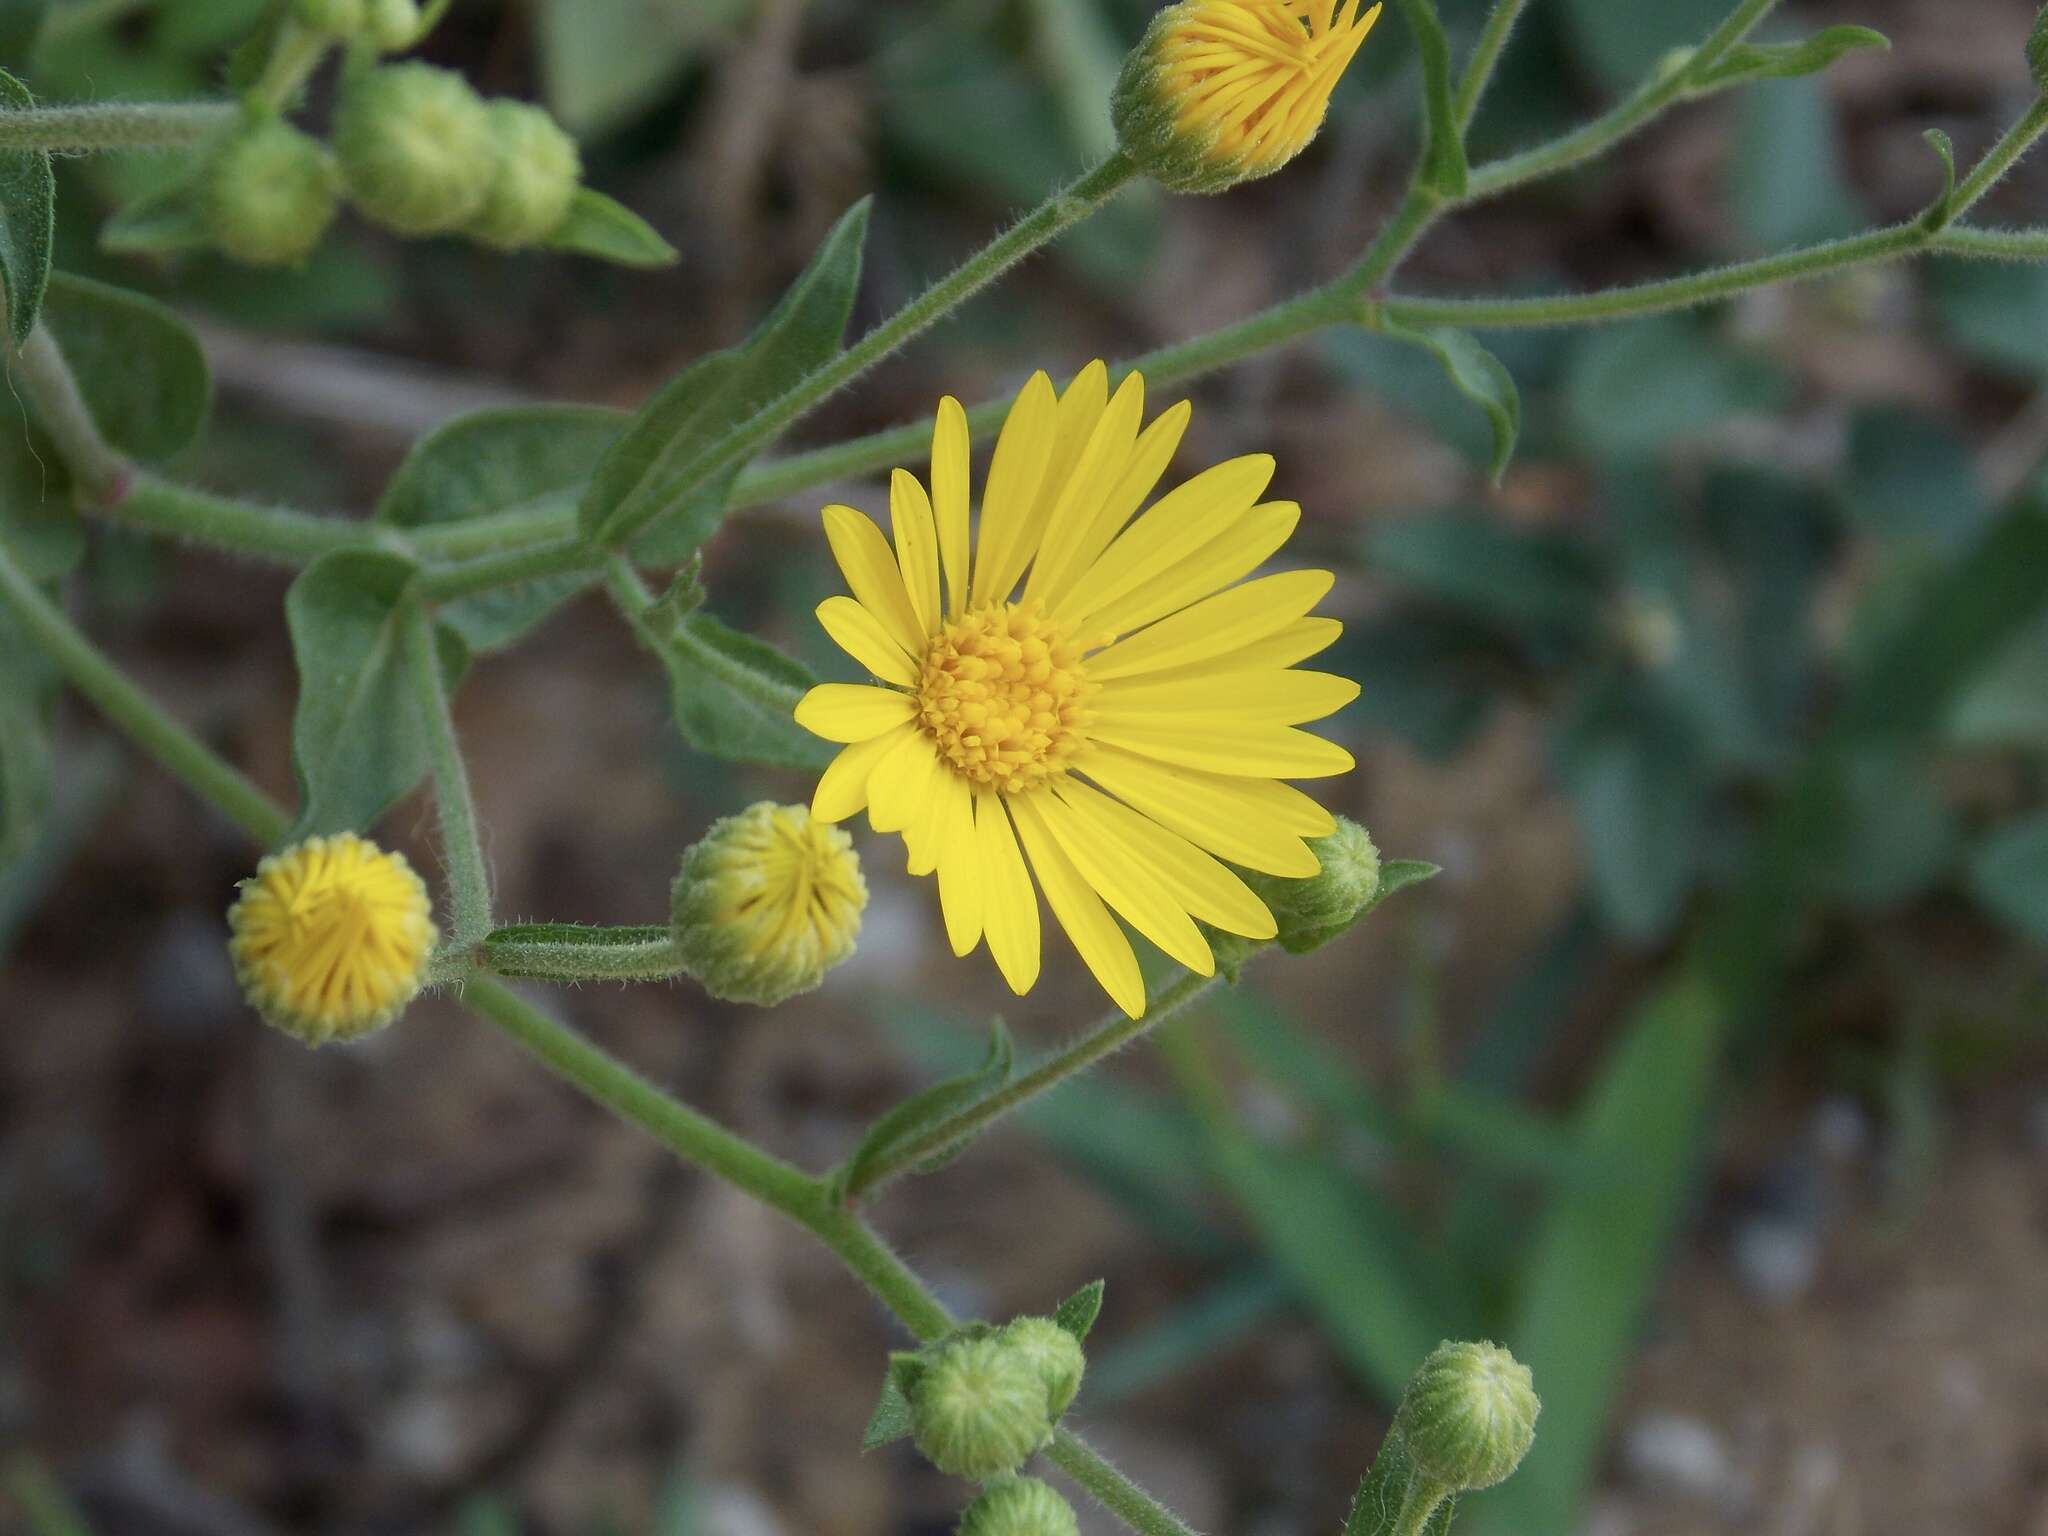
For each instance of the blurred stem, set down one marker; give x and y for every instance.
(294, 54)
(181, 753)
(113, 125)
(469, 877)
(1493, 38)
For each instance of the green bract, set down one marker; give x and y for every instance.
(415, 147)
(271, 193)
(534, 175)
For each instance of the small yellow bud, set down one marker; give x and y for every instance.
(1019, 1506)
(1468, 1416)
(271, 193)
(1054, 1353)
(767, 902)
(331, 938)
(1222, 91)
(978, 1408)
(534, 176)
(392, 24)
(415, 146)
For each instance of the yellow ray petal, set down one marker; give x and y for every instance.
(1081, 404)
(1216, 626)
(1191, 878)
(1102, 945)
(1127, 884)
(1223, 815)
(1239, 550)
(959, 854)
(1283, 648)
(1267, 697)
(1185, 518)
(870, 568)
(1009, 909)
(1097, 469)
(851, 711)
(951, 471)
(1009, 502)
(843, 787)
(917, 547)
(1153, 451)
(856, 631)
(898, 785)
(1227, 745)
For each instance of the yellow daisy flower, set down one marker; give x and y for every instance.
(1092, 695)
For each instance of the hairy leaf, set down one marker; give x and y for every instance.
(28, 220)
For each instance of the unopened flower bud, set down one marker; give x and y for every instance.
(270, 194)
(1019, 1506)
(331, 938)
(392, 25)
(334, 18)
(978, 1408)
(1222, 91)
(1054, 1353)
(534, 174)
(1312, 911)
(415, 146)
(1468, 1416)
(767, 902)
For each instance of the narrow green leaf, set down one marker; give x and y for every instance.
(1784, 61)
(598, 226)
(2009, 875)
(1444, 167)
(1941, 209)
(891, 1420)
(735, 696)
(140, 368)
(358, 743)
(1480, 377)
(1078, 1312)
(507, 459)
(651, 479)
(926, 1109)
(28, 220)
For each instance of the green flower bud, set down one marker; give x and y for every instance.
(1054, 1353)
(978, 1408)
(392, 25)
(1468, 1416)
(415, 146)
(1019, 1506)
(270, 194)
(767, 902)
(335, 18)
(535, 173)
(1313, 911)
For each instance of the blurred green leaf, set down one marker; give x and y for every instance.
(2008, 706)
(1429, 681)
(1781, 61)
(1899, 836)
(1480, 377)
(28, 218)
(926, 1109)
(1080, 57)
(20, 22)
(138, 365)
(1910, 477)
(1077, 1314)
(1195, 1334)
(506, 459)
(603, 61)
(162, 221)
(1786, 185)
(734, 696)
(358, 742)
(1620, 43)
(1645, 385)
(602, 227)
(1525, 582)
(1997, 312)
(2009, 875)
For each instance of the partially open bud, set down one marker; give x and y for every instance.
(335, 18)
(1313, 911)
(978, 1406)
(415, 146)
(270, 194)
(1054, 1353)
(331, 938)
(767, 902)
(533, 177)
(1222, 91)
(392, 25)
(1468, 1416)
(1019, 1506)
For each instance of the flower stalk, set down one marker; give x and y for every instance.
(73, 130)
(469, 879)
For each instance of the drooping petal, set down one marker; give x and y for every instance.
(951, 470)
(917, 547)
(1206, 888)
(1127, 884)
(1285, 697)
(843, 787)
(1009, 913)
(1231, 818)
(870, 568)
(851, 711)
(1216, 626)
(856, 631)
(1010, 499)
(1102, 945)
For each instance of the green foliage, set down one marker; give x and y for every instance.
(598, 226)
(138, 364)
(28, 221)
(923, 1112)
(603, 61)
(734, 696)
(1783, 61)
(1481, 378)
(2009, 875)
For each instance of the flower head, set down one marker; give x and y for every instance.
(978, 1406)
(1087, 693)
(331, 937)
(1221, 91)
(1019, 1506)
(767, 902)
(1468, 1416)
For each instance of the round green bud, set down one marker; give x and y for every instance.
(392, 25)
(335, 18)
(270, 194)
(535, 173)
(415, 147)
(1312, 911)
(1054, 1353)
(767, 902)
(1019, 1506)
(1468, 1416)
(979, 1408)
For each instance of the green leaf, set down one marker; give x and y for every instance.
(603, 61)
(1624, 42)
(598, 226)
(655, 480)
(20, 22)
(2008, 705)
(2009, 875)
(1910, 476)
(1786, 182)
(926, 1109)
(1078, 1312)
(735, 697)
(163, 221)
(1480, 377)
(1942, 209)
(1783, 61)
(1641, 387)
(140, 368)
(1898, 834)
(1534, 584)
(28, 220)
(1997, 312)
(507, 459)
(891, 1420)
(358, 742)
(1444, 167)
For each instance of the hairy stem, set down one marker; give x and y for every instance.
(1493, 39)
(114, 125)
(50, 387)
(1111, 1489)
(572, 953)
(469, 877)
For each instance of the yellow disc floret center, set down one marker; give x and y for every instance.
(1004, 696)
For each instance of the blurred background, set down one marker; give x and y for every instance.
(1700, 691)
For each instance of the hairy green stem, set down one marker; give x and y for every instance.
(180, 752)
(295, 53)
(557, 557)
(573, 953)
(280, 534)
(1108, 1037)
(1111, 1489)
(114, 125)
(469, 876)
(1493, 39)
(47, 382)
(2001, 157)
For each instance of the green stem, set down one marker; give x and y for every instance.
(1411, 221)
(294, 55)
(633, 599)
(177, 749)
(281, 534)
(1993, 244)
(572, 952)
(2001, 158)
(1493, 38)
(46, 379)
(114, 125)
(1108, 1037)
(557, 557)
(469, 877)
(1057, 213)
(1111, 1489)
